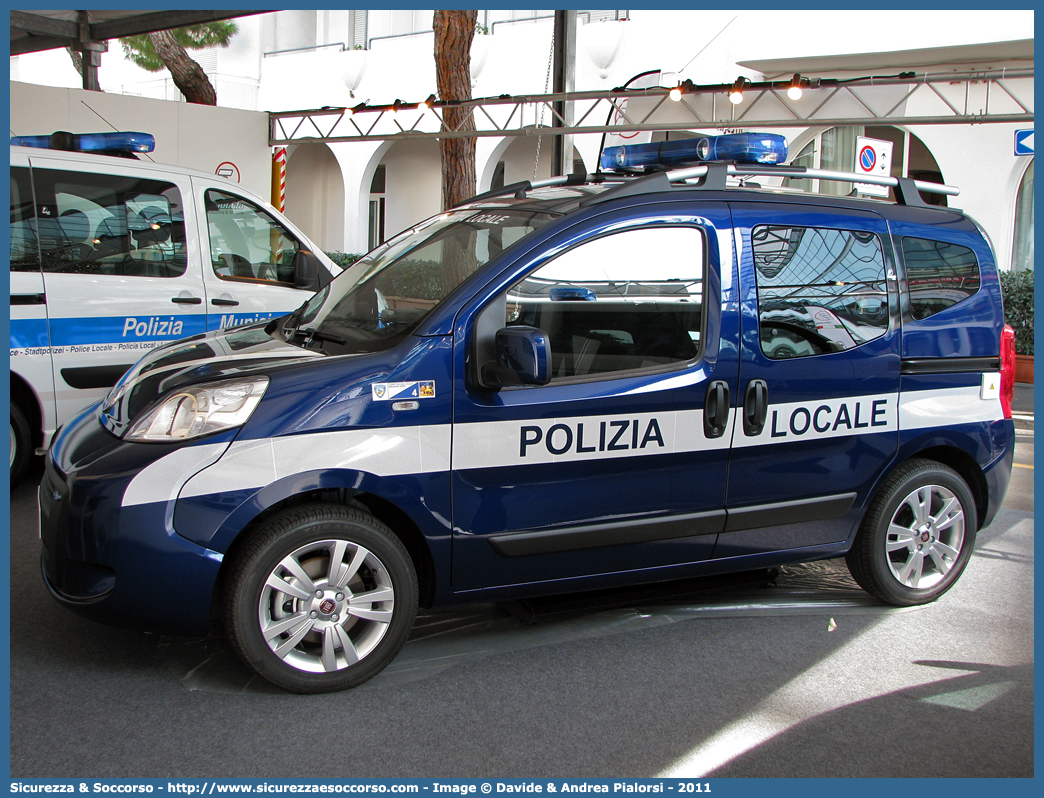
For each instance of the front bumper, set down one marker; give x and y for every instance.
(122, 565)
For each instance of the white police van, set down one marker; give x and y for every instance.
(112, 256)
(575, 385)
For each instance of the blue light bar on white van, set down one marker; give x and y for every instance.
(123, 141)
(761, 148)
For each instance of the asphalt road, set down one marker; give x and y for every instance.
(806, 677)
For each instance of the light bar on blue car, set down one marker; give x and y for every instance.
(124, 141)
(733, 147)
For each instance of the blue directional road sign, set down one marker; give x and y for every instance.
(1024, 142)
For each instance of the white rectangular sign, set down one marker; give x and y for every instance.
(873, 157)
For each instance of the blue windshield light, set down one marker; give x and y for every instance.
(120, 142)
(734, 147)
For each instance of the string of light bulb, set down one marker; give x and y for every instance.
(794, 88)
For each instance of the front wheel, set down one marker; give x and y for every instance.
(917, 537)
(322, 598)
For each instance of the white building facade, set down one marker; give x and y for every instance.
(348, 196)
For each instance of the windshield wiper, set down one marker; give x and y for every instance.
(312, 334)
(289, 328)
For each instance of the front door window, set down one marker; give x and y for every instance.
(246, 243)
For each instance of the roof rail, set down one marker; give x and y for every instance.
(519, 189)
(713, 174)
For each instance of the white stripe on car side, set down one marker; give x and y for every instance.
(921, 409)
(384, 452)
(819, 419)
(161, 480)
(248, 465)
(493, 444)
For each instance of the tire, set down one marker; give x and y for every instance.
(917, 536)
(21, 443)
(306, 630)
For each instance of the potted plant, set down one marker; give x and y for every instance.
(1018, 312)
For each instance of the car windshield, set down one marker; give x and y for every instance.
(382, 297)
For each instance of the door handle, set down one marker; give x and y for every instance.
(231, 303)
(28, 299)
(716, 409)
(755, 407)
(186, 300)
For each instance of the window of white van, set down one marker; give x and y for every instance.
(819, 290)
(246, 243)
(632, 300)
(25, 256)
(107, 224)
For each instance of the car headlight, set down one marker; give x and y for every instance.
(200, 410)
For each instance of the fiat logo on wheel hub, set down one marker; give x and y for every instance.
(327, 606)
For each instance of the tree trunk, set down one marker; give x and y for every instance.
(77, 60)
(188, 76)
(454, 31)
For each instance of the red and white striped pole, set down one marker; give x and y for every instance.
(279, 179)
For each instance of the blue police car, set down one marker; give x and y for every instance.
(583, 383)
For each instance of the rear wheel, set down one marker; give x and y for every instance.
(322, 598)
(918, 535)
(21, 443)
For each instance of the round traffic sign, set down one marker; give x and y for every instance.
(867, 158)
(228, 170)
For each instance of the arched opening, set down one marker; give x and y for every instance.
(527, 158)
(835, 148)
(1022, 250)
(376, 232)
(315, 194)
(412, 184)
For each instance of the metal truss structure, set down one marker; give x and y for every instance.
(989, 96)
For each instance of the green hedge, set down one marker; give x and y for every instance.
(418, 279)
(1018, 307)
(343, 259)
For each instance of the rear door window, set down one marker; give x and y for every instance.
(820, 290)
(109, 225)
(25, 256)
(938, 275)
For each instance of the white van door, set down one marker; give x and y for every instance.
(248, 255)
(118, 275)
(32, 385)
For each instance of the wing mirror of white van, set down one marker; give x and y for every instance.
(523, 358)
(308, 271)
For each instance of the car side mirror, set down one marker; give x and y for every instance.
(523, 358)
(307, 271)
